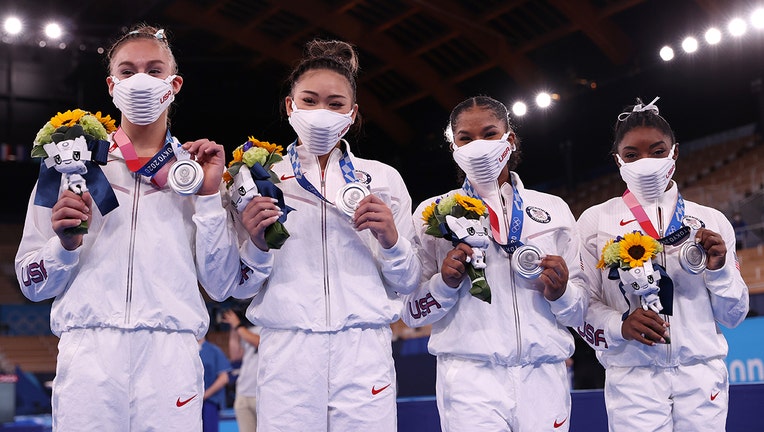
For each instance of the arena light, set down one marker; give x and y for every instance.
(519, 108)
(13, 25)
(690, 45)
(713, 36)
(53, 31)
(757, 18)
(543, 100)
(737, 27)
(667, 53)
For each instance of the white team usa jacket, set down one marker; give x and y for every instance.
(520, 326)
(140, 266)
(700, 303)
(328, 276)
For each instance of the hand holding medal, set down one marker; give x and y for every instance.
(710, 250)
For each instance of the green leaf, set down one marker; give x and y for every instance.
(433, 231)
(458, 211)
(276, 235)
(480, 288)
(39, 151)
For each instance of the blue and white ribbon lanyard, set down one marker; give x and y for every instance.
(516, 225)
(346, 166)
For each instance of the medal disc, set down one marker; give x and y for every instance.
(185, 177)
(349, 196)
(692, 257)
(525, 261)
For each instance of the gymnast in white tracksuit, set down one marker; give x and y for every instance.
(664, 371)
(501, 365)
(327, 297)
(127, 305)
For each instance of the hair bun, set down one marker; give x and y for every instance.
(340, 51)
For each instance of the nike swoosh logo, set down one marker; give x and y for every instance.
(556, 425)
(179, 403)
(286, 177)
(627, 222)
(713, 396)
(376, 391)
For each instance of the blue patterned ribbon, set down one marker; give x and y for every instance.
(265, 187)
(516, 225)
(346, 165)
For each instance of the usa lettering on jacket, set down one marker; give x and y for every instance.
(34, 273)
(423, 306)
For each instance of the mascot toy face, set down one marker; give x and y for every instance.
(243, 190)
(68, 156)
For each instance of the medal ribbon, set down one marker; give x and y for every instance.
(639, 213)
(346, 165)
(675, 233)
(156, 168)
(516, 226)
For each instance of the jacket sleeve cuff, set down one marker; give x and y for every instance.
(717, 279)
(208, 205)
(65, 258)
(255, 257)
(566, 300)
(399, 250)
(440, 290)
(614, 324)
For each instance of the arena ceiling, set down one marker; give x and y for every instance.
(419, 58)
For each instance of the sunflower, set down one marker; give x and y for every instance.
(238, 152)
(266, 145)
(429, 212)
(68, 118)
(636, 249)
(471, 204)
(108, 123)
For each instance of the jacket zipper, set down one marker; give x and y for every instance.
(325, 252)
(515, 307)
(663, 263)
(131, 250)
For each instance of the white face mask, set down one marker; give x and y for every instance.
(143, 98)
(319, 130)
(647, 178)
(483, 160)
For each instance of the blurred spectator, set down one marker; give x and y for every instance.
(741, 231)
(402, 332)
(216, 367)
(244, 339)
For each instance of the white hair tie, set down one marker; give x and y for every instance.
(640, 108)
(159, 34)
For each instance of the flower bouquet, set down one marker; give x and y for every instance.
(249, 175)
(631, 256)
(462, 219)
(74, 144)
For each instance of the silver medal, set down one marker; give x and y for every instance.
(525, 261)
(692, 257)
(349, 196)
(185, 177)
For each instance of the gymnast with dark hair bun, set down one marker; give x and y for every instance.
(325, 300)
